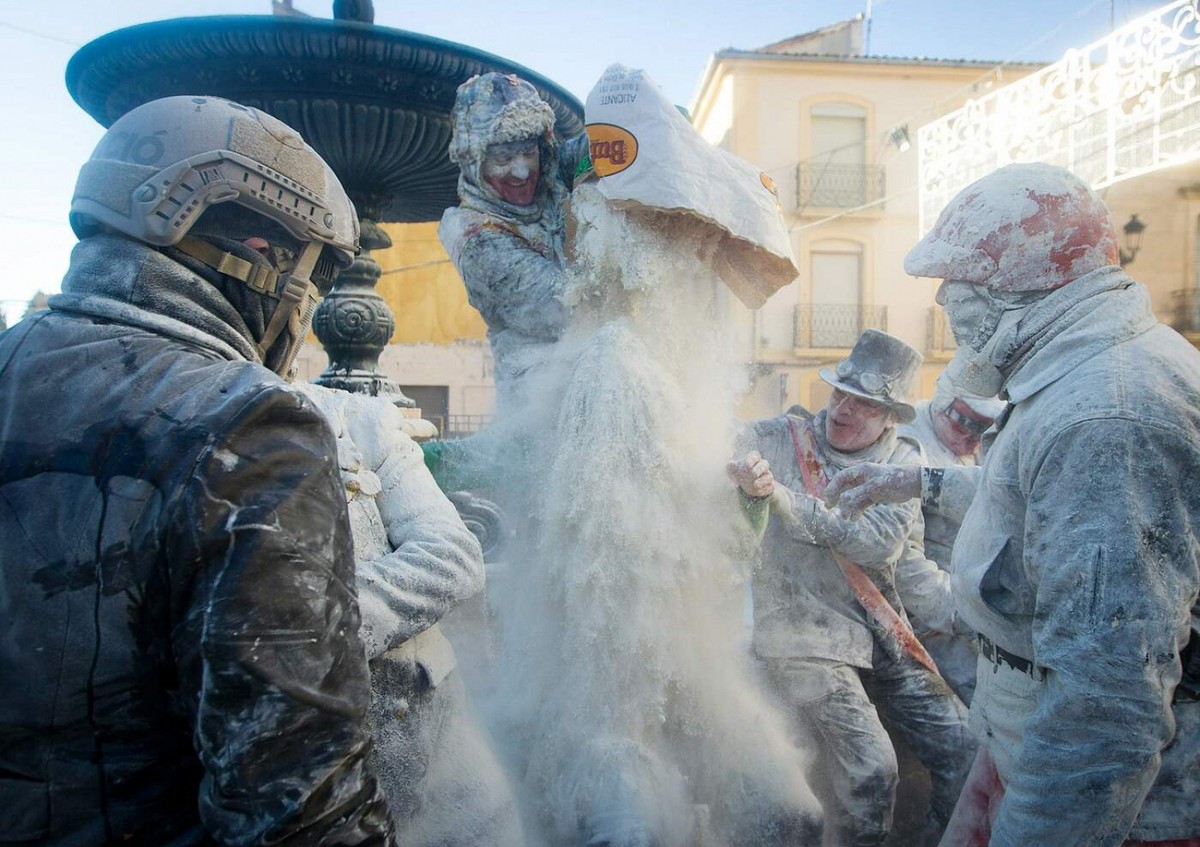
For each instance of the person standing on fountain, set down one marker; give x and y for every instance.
(828, 624)
(180, 660)
(507, 238)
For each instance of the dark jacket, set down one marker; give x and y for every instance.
(179, 648)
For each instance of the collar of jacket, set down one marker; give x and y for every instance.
(1074, 324)
(127, 282)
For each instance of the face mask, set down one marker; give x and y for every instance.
(297, 298)
(968, 307)
(979, 371)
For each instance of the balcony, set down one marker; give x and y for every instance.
(835, 186)
(835, 327)
(939, 340)
(1185, 311)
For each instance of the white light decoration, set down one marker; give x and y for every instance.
(1123, 106)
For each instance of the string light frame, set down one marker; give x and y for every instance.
(1123, 106)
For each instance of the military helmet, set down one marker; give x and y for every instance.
(161, 165)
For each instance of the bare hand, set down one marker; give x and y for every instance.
(752, 475)
(860, 486)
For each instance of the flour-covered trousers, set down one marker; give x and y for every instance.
(840, 706)
(1004, 700)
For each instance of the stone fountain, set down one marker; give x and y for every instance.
(373, 101)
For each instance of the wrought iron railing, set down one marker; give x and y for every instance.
(1185, 312)
(460, 426)
(823, 326)
(1121, 106)
(938, 336)
(835, 186)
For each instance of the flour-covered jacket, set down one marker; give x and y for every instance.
(180, 660)
(803, 606)
(941, 526)
(513, 259)
(416, 562)
(925, 590)
(415, 559)
(1080, 551)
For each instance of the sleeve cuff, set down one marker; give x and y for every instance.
(931, 486)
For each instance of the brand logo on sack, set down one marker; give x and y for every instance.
(769, 184)
(613, 148)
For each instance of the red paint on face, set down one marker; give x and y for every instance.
(513, 170)
(853, 423)
(958, 440)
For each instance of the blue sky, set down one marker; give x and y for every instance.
(47, 136)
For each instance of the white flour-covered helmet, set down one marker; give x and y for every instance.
(1021, 228)
(160, 166)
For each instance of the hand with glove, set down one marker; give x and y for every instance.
(854, 489)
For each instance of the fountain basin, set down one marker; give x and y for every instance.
(373, 101)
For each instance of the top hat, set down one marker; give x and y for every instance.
(880, 368)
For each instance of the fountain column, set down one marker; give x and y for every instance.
(354, 325)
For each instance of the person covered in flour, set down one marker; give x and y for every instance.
(948, 427)
(415, 563)
(828, 624)
(1078, 560)
(181, 661)
(506, 238)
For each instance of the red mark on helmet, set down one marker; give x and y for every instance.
(1077, 223)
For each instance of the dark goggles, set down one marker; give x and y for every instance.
(323, 274)
(974, 426)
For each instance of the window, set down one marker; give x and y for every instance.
(836, 174)
(432, 400)
(839, 134)
(835, 314)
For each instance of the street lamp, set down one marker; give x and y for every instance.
(1133, 239)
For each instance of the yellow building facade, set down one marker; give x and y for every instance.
(836, 130)
(439, 351)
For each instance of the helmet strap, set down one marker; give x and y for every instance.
(259, 278)
(291, 290)
(295, 289)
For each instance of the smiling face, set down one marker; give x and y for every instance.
(854, 423)
(513, 170)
